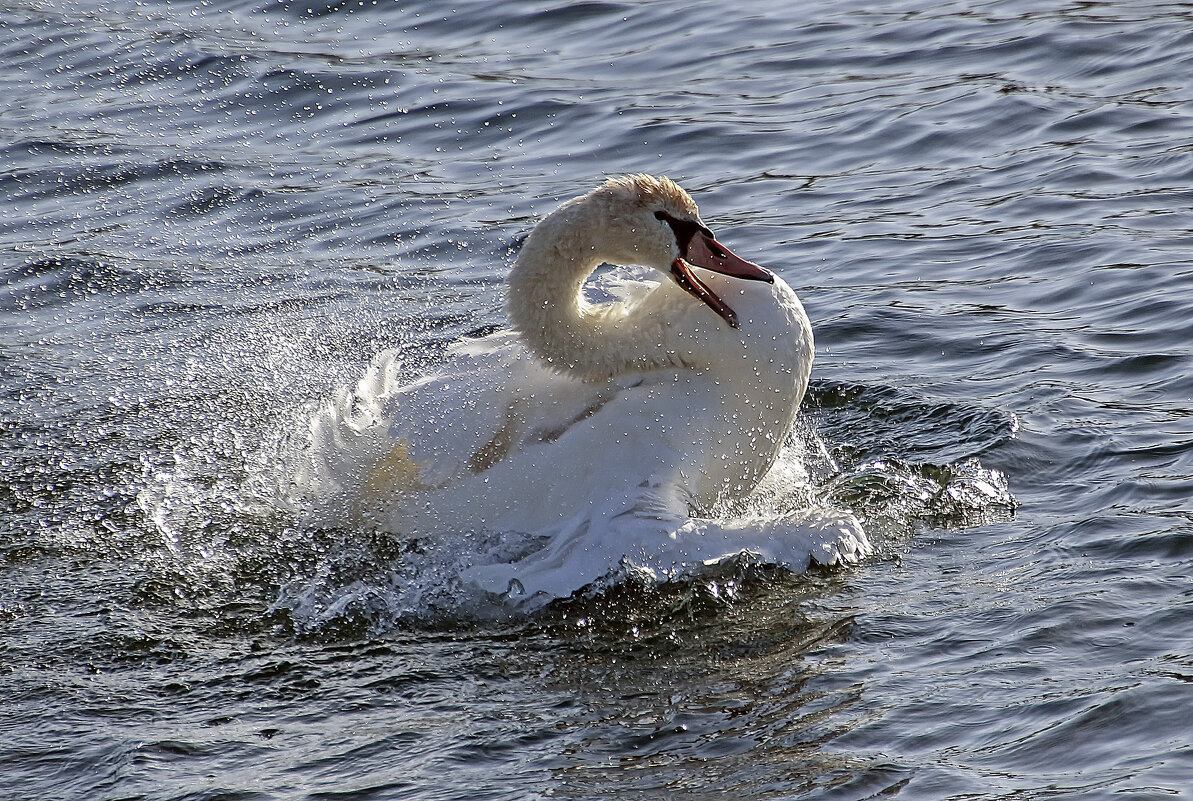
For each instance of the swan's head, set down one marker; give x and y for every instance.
(653, 222)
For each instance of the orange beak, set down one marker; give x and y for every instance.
(704, 251)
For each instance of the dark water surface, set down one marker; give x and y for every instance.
(214, 213)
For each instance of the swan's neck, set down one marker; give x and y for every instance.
(590, 341)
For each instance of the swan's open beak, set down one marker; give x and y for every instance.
(704, 251)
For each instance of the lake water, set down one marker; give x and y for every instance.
(215, 214)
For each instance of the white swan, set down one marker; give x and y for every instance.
(606, 432)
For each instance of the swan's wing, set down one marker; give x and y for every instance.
(592, 468)
(367, 447)
(442, 424)
(577, 545)
(654, 537)
(490, 400)
(385, 435)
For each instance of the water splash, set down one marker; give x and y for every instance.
(242, 513)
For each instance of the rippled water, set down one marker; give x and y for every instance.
(216, 213)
